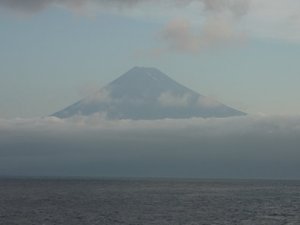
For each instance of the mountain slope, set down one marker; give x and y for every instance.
(147, 93)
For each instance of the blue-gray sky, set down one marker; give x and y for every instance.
(242, 52)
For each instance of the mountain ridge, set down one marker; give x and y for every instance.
(147, 93)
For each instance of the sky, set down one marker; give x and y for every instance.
(240, 52)
(244, 53)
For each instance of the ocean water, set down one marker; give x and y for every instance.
(153, 201)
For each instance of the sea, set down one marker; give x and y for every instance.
(78, 201)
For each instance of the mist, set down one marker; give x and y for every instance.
(239, 147)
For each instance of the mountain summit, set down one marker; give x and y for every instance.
(147, 93)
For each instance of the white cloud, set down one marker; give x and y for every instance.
(279, 20)
(181, 36)
(264, 123)
(102, 96)
(207, 102)
(169, 99)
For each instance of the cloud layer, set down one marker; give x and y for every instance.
(242, 147)
(238, 7)
(180, 36)
(197, 24)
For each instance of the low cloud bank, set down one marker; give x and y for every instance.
(240, 147)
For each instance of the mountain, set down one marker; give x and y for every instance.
(147, 93)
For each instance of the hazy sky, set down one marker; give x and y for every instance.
(245, 53)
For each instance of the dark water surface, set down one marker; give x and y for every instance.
(159, 202)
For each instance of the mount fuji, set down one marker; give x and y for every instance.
(147, 94)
